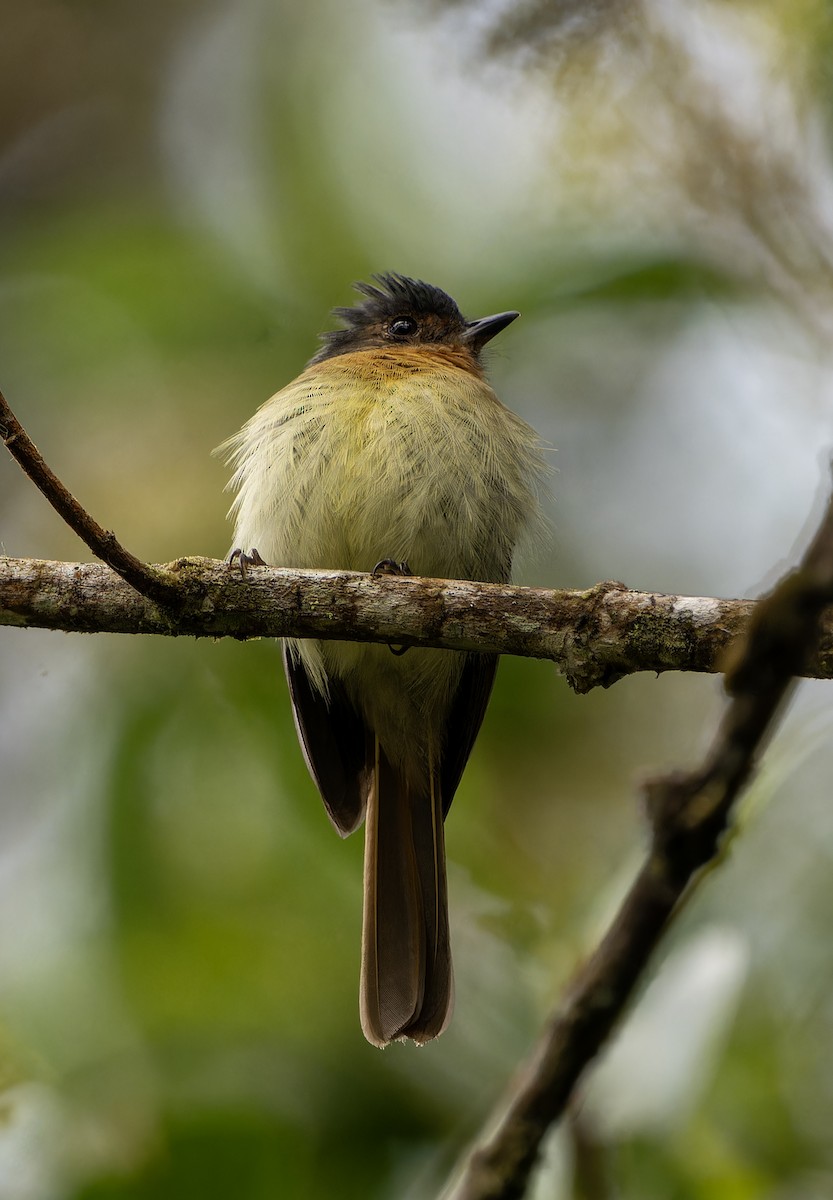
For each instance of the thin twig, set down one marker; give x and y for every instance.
(690, 813)
(104, 544)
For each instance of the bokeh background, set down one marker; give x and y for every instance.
(186, 189)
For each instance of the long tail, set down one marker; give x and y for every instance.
(407, 986)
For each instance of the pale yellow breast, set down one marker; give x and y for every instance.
(373, 456)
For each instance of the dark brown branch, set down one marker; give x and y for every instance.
(594, 637)
(690, 813)
(104, 544)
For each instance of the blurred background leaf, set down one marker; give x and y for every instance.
(186, 189)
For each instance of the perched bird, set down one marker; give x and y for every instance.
(391, 448)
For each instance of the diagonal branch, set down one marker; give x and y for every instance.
(594, 637)
(104, 544)
(689, 813)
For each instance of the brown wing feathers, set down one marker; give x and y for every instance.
(335, 741)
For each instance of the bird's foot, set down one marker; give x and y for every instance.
(245, 560)
(389, 566)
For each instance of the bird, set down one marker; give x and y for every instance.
(391, 452)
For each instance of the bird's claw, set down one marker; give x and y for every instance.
(245, 560)
(389, 566)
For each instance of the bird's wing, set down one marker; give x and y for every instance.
(334, 740)
(467, 711)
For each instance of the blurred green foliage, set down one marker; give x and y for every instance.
(185, 192)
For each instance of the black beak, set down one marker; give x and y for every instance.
(478, 333)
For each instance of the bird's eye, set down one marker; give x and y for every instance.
(402, 327)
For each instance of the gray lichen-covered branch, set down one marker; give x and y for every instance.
(594, 637)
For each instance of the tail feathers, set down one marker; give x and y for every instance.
(406, 983)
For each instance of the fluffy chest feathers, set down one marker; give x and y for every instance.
(378, 455)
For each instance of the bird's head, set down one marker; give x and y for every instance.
(398, 311)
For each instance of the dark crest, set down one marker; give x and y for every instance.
(395, 294)
(391, 296)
